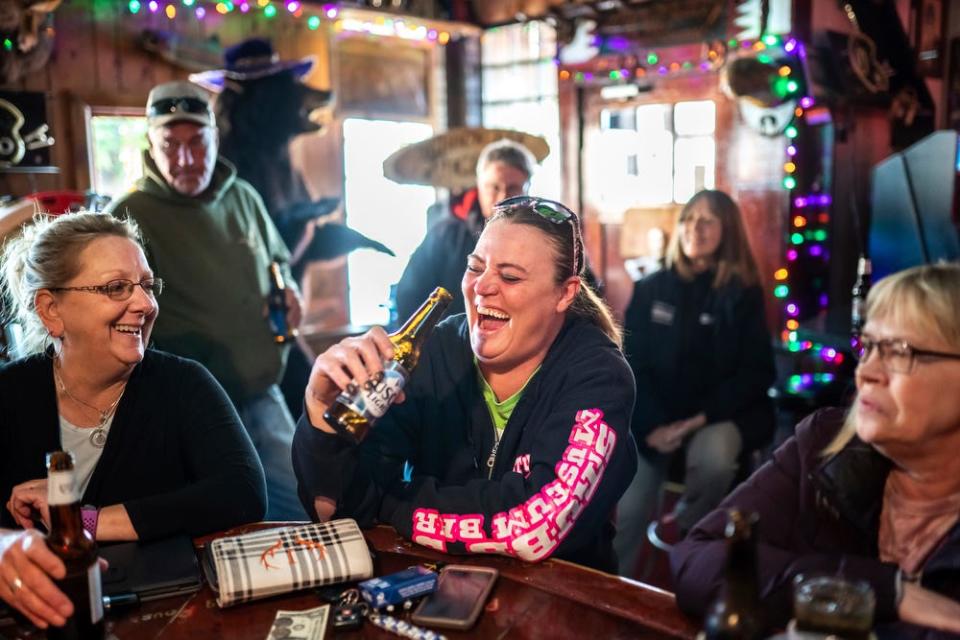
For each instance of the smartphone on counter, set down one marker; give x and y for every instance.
(462, 591)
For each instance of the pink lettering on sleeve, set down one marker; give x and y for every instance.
(534, 529)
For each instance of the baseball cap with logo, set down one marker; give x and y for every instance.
(179, 101)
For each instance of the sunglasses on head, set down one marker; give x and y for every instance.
(178, 105)
(551, 210)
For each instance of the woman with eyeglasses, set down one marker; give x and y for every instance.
(698, 345)
(869, 494)
(514, 435)
(159, 449)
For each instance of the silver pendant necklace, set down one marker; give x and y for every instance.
(98, 437)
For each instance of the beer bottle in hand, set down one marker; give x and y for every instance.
(277, 307)
(74, 545)
(737, 614)
(358, 406)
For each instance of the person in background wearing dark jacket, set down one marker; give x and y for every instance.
(872, 496)
(158, 447)
(504, 170)
(514, 436)
(698, 344)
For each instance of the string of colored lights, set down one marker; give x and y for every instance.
(607, 71)
(200, 10)
(381, 26)
(808, 231)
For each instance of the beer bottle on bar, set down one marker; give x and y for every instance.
(277, 307)
(858, 300)
(73, 544)
(737, 613)
(359, 406)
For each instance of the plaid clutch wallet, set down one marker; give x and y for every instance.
(266, 563)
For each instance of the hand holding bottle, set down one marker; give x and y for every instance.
(369, 372)
(27, 571)
(352, 360)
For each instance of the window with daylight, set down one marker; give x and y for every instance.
(116, 142)
(653, 154)
(520, 91)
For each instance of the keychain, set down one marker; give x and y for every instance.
(349, 612)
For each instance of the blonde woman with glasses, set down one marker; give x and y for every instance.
(159, 449)
(870, 494)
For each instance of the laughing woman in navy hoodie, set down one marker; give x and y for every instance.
(514, 436)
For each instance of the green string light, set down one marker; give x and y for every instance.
(652, 58)
(313, 23)
(781, 291)
(790, 132)
(796, 238)
(789, 182)
(771, 40)
(269, 11)
(134, 6)
(8, 44)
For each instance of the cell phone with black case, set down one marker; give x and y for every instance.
(462, 591)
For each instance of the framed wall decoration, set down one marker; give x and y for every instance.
(25, 136)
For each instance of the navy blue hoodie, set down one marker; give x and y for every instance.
(565, 458)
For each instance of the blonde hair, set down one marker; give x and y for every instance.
(925, 297)
(733, 256)
(45, 255)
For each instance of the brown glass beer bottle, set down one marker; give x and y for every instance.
(277, 307)
(737, 613)
(74, 545)
(359, 406)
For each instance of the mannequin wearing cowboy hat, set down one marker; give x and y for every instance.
(262, 104)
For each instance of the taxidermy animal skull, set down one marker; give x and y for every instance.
(32, 44)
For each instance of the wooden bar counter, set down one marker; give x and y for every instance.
(550, 600)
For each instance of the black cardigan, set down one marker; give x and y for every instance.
(565, 457)
(177, 456)
(738, 363)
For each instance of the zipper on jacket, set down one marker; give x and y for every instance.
(492, 459)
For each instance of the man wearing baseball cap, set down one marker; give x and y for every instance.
(207, 232)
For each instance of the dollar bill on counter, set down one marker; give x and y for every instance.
(309, 624)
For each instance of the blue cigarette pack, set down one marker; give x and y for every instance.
(397, 587)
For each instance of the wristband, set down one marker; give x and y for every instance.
(90, 514)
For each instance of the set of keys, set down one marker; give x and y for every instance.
(350, 611)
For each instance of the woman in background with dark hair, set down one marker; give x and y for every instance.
(514, 436)
(697, 341)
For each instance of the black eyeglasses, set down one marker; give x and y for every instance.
(552, 210)
(120, 289)
(898, 356)
(167, 106)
